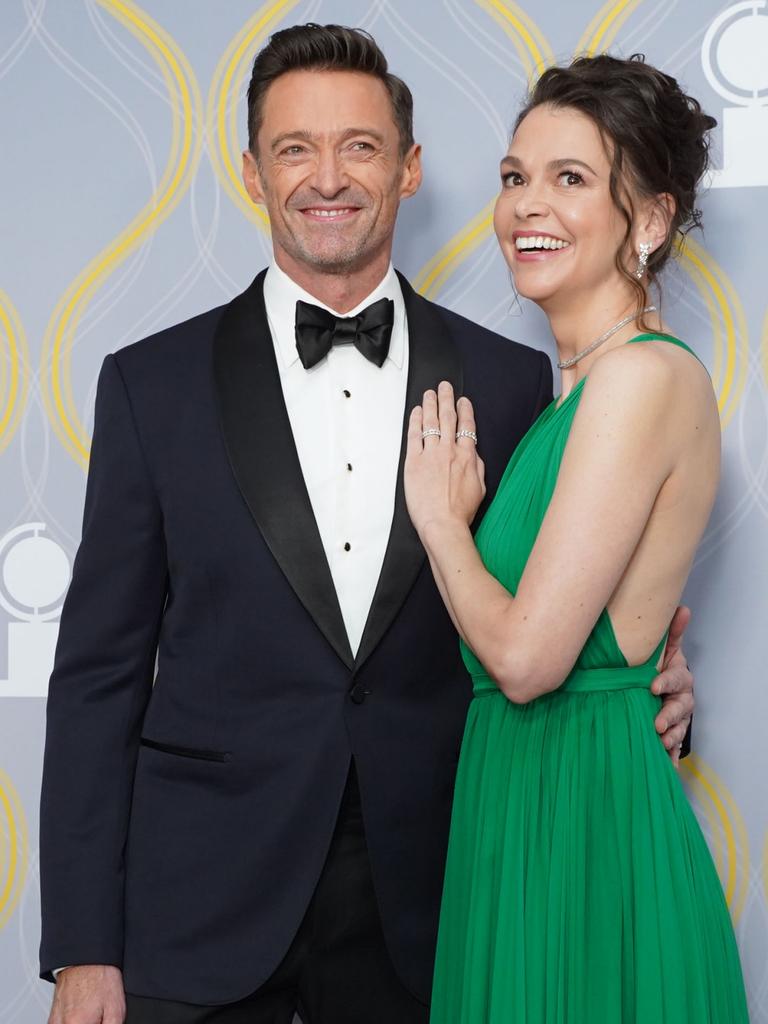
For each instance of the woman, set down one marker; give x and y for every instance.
(579, 887)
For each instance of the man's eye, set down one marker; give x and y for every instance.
(293, 150)
(570, 178)
(361, 147)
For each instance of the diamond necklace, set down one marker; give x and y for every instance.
(603, 337)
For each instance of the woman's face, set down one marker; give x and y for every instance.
(556, 223)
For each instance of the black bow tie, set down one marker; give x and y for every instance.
(317, 330)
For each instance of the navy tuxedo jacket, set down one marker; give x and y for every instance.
(205, 704)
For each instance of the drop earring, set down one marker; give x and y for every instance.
(642, 259)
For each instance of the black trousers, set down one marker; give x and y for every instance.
(337, 969)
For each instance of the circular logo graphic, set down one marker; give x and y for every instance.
(35, 574)
(734, 53)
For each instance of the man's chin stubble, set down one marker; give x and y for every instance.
(338, 263)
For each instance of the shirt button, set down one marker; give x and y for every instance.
(349, 467)
(358, 693)
(347, 546)
(347, 394)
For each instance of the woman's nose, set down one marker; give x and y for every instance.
(530, 203)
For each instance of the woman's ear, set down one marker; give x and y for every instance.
(654, 224)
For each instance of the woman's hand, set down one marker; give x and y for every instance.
(444, 477)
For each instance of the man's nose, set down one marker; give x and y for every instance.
(330, 175)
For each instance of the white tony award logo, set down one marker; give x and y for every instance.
(34, 575)
(734, 55)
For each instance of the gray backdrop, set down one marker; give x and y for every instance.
(122, 213)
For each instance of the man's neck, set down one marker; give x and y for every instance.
(341, 291)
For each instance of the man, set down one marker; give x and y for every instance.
(202, 838)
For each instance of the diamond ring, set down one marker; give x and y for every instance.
(466, 433)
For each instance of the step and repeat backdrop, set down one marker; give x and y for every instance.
(122, 211)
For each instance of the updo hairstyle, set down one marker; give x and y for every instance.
(656, 136)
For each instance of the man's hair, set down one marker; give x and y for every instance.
(314, 47)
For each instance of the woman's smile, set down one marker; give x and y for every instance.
(533, 246)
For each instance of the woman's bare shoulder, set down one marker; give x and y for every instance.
(652, 374)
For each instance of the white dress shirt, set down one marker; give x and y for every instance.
(346, 415)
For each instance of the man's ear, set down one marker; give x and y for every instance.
(252, 177)
(411, 172)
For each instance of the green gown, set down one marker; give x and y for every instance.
(579, 887)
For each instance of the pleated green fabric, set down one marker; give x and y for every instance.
(579, 888)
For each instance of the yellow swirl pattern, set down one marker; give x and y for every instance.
(222, 106)
(434, 274)
(602, 30)
(14, 848)
(728, 832)
(535, 52)
(729, 326)
(14, 370)
(532, 47)
(186, 140)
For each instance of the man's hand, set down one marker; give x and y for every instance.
(675, 685)
(89, 994)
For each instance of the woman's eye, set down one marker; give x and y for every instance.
(513, 178)
(570, 178)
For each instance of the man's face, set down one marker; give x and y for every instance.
(329, 170)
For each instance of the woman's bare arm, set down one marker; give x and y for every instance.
(622, 448)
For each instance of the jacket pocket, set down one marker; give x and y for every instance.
(194, 752)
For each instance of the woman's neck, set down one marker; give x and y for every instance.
(576, 326)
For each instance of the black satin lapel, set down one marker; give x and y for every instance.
(432, 357)
(261, 449)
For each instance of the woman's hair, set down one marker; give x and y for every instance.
(656, 137)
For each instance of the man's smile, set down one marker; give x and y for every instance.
(328, 214)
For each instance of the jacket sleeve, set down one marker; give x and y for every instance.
(544, 395)
(98, 693)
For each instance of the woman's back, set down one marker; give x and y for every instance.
(643, 603)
